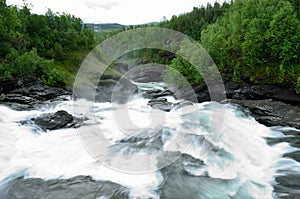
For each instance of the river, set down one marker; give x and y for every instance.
(189, 152)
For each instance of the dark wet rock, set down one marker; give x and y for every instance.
(161, 103)
(147, 73)
(156, 93)
(107, 91)
(164, 105)
(17, 98)
(80, 187)
(240, 91)
(203, 96)
(177, 162)
(292, 140)
(104, 92)
(9, 85)
(27, 93)
(288, 185)
(289, 135)
(245, 91)
(294, 155)
(272, 113)
(236, 90)
(52, 121)
(114, 85)
(182, 104)
(157, 101)
(277, 93)
(40, 92)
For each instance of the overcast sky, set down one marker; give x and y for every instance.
(127, 12)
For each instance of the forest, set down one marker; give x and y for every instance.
(49, 47)
(254, 41)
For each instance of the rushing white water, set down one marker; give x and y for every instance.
(238, 154)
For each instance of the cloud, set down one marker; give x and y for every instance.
(104, 4)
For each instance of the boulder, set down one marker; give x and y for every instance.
(52, 121)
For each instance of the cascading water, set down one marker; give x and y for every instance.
(180, 156)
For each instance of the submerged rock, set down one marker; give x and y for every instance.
(52, 121)
(81, 187)
(178, 182)
(164, 105)
(152, 94)
(161, 103)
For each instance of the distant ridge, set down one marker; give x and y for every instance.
(97, 27)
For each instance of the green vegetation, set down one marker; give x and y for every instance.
(193, 23)
(49, 47)
(256, 41)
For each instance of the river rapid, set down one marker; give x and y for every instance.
(204, 150)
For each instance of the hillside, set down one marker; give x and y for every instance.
(97, 27)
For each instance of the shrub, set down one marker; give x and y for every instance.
(54, 78)
(297, 88)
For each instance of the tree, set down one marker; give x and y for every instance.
(254, 35)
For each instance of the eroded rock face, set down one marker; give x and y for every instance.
(117, 91)
(83, 187)
(147, 73)
(261, 92)
(26, 93)
(272, 113)
(245, 91)
(52, 121)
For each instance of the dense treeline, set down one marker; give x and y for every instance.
(193, 23)
(40, 45)
(257, 41)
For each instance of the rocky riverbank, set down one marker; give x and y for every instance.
(270, 105)
(28, 93)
